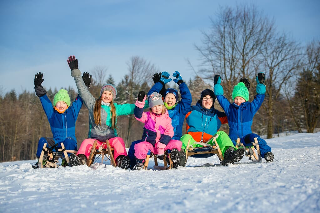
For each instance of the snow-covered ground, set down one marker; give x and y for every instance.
(289, 184)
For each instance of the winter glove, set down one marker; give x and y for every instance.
(141, 96)
(178, 77)
(218, 90)
(165, 77)
(261, 88)
(73, 62)
(246, 82)
(38, 79)
(156, 77)
(86, 77)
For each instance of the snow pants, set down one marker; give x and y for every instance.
(223, 141)
(116, 143)
(249, 139)
(69, 144)
(139, 149)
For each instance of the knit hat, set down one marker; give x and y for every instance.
(62, 95)
(155, 99)
(110, 88)
(173, 91)
(206, 92)
(240, 90)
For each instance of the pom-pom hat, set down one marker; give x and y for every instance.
(240, 90)
(155, 99)
(62, 95)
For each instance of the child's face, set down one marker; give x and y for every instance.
(207, 102)
(106, 96)
(61, 106)
(170, 99)
(239, 100)
(157, 109)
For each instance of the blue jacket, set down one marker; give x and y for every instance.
(202, 121)
(62, 124)
(240, 117)
(178, 113)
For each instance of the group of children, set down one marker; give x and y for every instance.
(162, 122)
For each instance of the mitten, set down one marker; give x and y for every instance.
(165, 77)
(246, 82)
(73, 62)
(86, 77)
(261, 88)
(178, 78)
(218, 90)
(141, 96)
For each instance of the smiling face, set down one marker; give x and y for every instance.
(106, 96)
(157, 109)
(170, 99)
(239, 100)
(207, 102)
(61, 106)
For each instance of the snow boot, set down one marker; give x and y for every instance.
(183, 158)
(175, 157)
(83, 159)
(269, 157)
(36, 165)
(139, 164)
(229, 156)
(239, 153)
(74, 160)
(123, 162)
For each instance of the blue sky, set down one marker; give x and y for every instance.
(39, 35)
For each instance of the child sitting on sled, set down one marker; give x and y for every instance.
(240, 113)
(203, 122)
(158, 130)
(62, 117)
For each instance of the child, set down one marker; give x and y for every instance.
(177, 109)
(240, 113)
(158, 130)
(103, 114)
(62, 117)
(203, 122)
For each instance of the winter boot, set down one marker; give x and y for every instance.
(36, 165)
(229, 156)
(139, 164)
(175, 157)
(183, 158)
(74, 160)
(269, 157)
(123, 162)
(239, 153)
(83, 159)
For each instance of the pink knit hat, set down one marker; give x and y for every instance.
(109, 87)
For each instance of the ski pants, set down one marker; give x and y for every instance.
(249, 139)
(223, 141)
(69, 144)
(116, 143)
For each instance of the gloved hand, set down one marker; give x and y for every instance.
(261, 88)
(73, 62)
(218, 90)
(178, 78)
(141, 96)
(38, 79)
(165, 77)
(246, 82)
(87, 78)
(156, 77)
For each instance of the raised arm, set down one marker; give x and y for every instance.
(218, 91)
(41, 93)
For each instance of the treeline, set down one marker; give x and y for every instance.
(240, 43)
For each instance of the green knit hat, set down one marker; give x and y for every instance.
(62, 95)
(240, 90)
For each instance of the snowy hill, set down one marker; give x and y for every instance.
(289, 184)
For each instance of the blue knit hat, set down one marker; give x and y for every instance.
(173, 91)
(240, 90)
